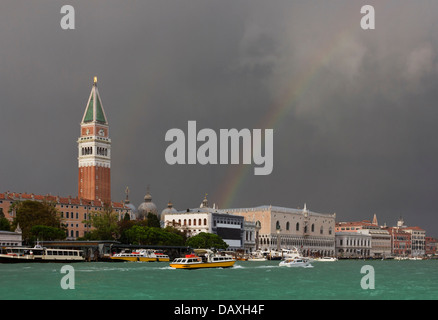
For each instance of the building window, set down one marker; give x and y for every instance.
(205, 222)
(287, 225)
(297, 226)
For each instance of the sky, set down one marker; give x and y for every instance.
(353, 111)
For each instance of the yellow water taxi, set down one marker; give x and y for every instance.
(141, 256)
(203, 259)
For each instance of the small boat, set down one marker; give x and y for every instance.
(203, 258)
(274, 255)
(257, 256)
(401, 258)
(326, 259)
(39, 254)
(291, 253)
(415, 258)
(295, 262)
(141, 256)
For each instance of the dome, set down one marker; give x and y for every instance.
(169, 209)
(146, 207)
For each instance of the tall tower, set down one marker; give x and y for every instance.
(94, 146)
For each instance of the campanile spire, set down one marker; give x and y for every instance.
(94, 147)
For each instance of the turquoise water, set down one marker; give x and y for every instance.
(245, 281)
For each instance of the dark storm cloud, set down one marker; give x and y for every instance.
(358, 138)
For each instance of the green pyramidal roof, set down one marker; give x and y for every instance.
(94, 111)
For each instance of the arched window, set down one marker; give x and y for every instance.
(313, 227)
(321, 230)
(287, 225)
(277, 225)
(330, 230)
(297, 228)
(194, 222)
(185, 222)
(190, 222)
(205, 222)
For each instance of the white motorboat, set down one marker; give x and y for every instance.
(327, 259)
(291, 253)
(257, 256)
(295, 262)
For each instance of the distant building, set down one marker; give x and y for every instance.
(353, 245)
(400, 241)
(11, 238)
(94, 148)
(230, 227)
(431, 246)
(146, 207)
(380, 239)
(74, 212)
(280, 227)
(418, 240)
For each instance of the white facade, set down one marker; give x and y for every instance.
(280, 227)
(418, 240)
(194, 221)
(11, 239)
(353, 245)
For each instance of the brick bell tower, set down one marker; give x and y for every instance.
(94, 146)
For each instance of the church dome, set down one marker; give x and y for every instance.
(146, 207)
(169, 209)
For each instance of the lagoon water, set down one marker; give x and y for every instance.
(245, 281)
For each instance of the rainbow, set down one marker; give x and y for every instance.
(233, 180)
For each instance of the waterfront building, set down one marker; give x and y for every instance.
(11, 238)
(74, 212)
(280, 227)
(431, 246)
(380, 239)
(400, 241)
(94, 148)
(418, 241)
(231, 228)
(353, 245)
(380, 242)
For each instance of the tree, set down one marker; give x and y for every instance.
(47, 233)
(31, 213)
(144, 235)
(5, 225)
(105, 223)
(205, 240)
(152, 220)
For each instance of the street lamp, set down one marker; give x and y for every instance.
(278, 238)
